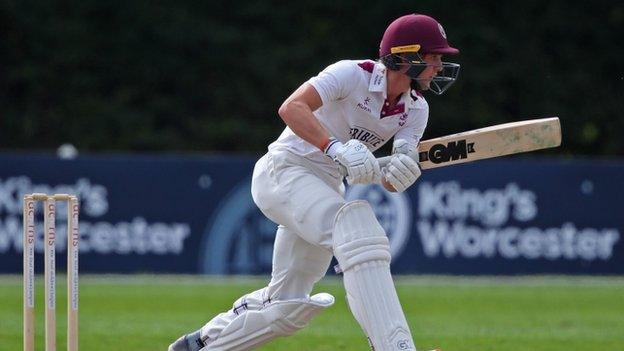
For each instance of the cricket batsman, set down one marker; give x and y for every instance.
(337, 119)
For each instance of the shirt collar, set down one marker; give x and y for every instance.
(410, 101)
(378, 79)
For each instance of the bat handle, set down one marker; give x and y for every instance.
(383, 161)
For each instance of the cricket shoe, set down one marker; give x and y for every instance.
(188, 342)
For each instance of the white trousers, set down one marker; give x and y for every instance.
(303, 199)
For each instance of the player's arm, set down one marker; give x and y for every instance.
(296, 112)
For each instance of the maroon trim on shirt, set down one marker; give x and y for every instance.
(367, 66)
(387, 112)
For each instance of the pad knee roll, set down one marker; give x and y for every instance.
(358, 236)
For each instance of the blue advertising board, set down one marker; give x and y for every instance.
(193, 214)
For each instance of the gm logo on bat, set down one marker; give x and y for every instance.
(440, 153)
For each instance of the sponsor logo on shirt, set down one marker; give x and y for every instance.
(402, 119)
(364, 106)
(366, 136)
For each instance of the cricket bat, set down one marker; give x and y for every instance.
(498, 140)
(494, 141)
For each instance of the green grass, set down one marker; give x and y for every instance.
(453, 313)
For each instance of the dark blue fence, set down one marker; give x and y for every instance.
(182, 214)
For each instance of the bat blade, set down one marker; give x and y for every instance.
(489, 142)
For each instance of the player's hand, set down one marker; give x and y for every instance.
(401, 146)
(403, 170)
(362, 166)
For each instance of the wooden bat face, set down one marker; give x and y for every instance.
(494, 141)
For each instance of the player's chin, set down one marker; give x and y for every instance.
(424, 84)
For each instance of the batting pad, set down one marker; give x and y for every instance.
(256, 324)
(363, 252)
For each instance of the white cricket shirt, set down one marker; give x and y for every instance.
(353, 93)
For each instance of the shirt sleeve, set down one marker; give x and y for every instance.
(336, 81)
(414, 127)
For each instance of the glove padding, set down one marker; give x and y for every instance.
(362, 166)
(401, 172)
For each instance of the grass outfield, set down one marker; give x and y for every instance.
(453, 313)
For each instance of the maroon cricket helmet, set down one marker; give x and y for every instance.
(415, 34)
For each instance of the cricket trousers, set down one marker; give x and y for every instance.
(303, 200)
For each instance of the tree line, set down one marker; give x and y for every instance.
(210, 76)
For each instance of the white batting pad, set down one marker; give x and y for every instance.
(363, 252)
(256, 322)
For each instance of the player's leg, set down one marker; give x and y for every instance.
(297, 266)
(290, 191)
(280, 309)
(320, 215)
(290, 194)
(363, 252)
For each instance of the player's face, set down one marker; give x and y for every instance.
(434, 65)
(428, 72)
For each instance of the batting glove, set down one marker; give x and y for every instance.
(403, 170)
(360, 164)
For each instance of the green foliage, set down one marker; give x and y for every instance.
(210, 76)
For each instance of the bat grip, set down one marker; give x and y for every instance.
(383, 161)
